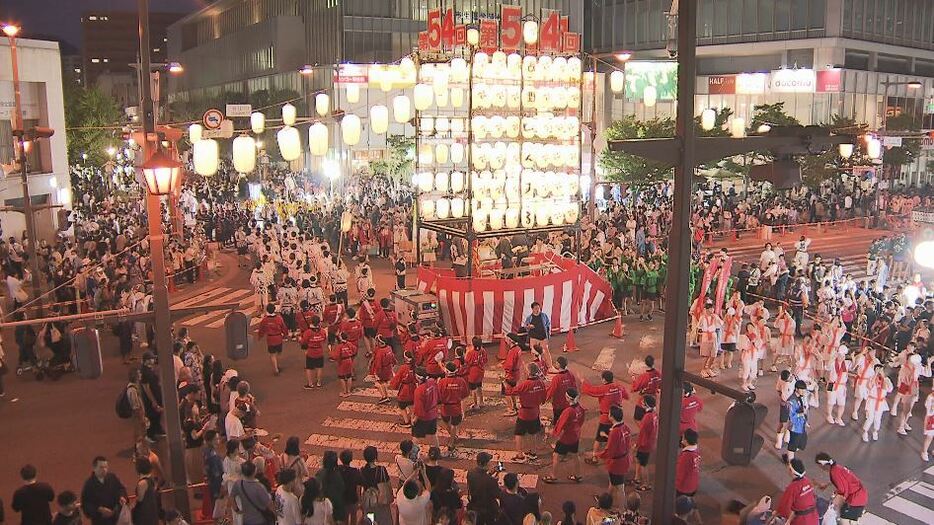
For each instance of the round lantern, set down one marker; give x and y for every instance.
(574, 97)
(481, 96)
(543, 68)
(497, 126)
(542, 215)
(571, 213)
(513, 125)
(559, 69)
(457, 207)
(422, 96)
(442, 124)
(401, 109)
(874, 148)
(441, 99)
(512, 217)
(425, 154)
(257, 122)
(481, 58)
(322, 104)
(457, 181)
(496, 218)
(318, 139)
(457, 153)
(443, 208)
(205, 157)
(440, 79)
(427, 208)
(457, 125)
(738, 127)
(387, 77)
(379, 119)
(459, 70)
(353, 93)
(530, 32)
(425, 181)
(529, 97)
(441, 153)
(406, 68)
(708, 119)
(479, 220)
(350, 129)
(480, 128)
(288, 114)
(427, 125)
(290, 145)
(514, 64)
(194, 133)
(650, 95)
(529, 64)
(244, 154)
(557, 216)
(457, 97)
(574, 68)
(617, 81)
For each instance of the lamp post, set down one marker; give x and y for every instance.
(161, 174)
(910, 84)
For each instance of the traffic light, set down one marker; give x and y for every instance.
(237, 326)
(87, 347)
(741, 443)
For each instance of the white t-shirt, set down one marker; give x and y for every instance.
(233, 426)
(413, 511)
(323, 511)
(288, 510)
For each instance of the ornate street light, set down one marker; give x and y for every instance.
(162, 173)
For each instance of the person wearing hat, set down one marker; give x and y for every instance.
(645, 442)
(567, 432)
(864, 368)
(425, 408)
(475, 360)
(797, 420)
(608, 394)
(380, 367)
(850, 496)
(838, 375)
(531, 395)
(274, 329)
(691, 405)
(560, 383)
(260, 285)
(798, 503)
(709, 325)
(404, 383)
(687, 466)
(908, 388)
(880, 386)
(151, 384)
(785, 326)
(512, 365)
(452, 390)
(313, 341)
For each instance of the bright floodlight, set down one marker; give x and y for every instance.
(846, 150)
(10, 30)
(331, 169)
(623, 56)
(175, 68)
(914, 84)
(924, 254)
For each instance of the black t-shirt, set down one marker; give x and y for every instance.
(61, 519)
(513, 507)
(537, 330)
(151, 378)
(400, 268)
(352, 480)
(32, 502)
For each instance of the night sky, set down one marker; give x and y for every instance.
(61, 19)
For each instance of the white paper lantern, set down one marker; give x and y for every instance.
(874, 148)
(513, 126)
(497, 126)
(845, 150)
(441, 153)
(195, 131)
(498, 96)
(457, 125)
(559, 69)
(427, 208)
(350, 129)
(457, 153)
(440, 79)
(459, 70)
(738, 127)
(557, 216)
(497, 216)
(379, 119)
(543, 68)
(708, 119)
(457, 97)
(427, 125)
(422, 96)
(290, 144)
(387, 77)
(527, 217)
(650, 95)
(457, 181)
(425, 154)
(443, 208)
(353, 93)
(406, 68)
(481, 58)
(617, 81)
(479, 126)
(205, 157)
(480, 98)
(244, 154)
(318, 139)
(401, 109)
(441, 99)
(479, 220)
(529, 63)
(457, 207)
(574, 97)
(288, 114)
(530, 32)
(425, 181)
(512, 217)
(571, 213)
(257, 122)
(442, 125)
(322, 104)
(529, 97)
(574, 68)
(542, 215)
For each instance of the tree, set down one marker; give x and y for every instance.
(908, 152)
(399, 162)
(630, 169)
(88, 114)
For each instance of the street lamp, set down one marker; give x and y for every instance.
(161, 173)
(624, 56)
(175, 68)
(924, 254)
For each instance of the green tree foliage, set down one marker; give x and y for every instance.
(87, 111)
(911, 147)
(630, 169)
(398, 165)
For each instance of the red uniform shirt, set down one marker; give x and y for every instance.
(303, 320)
(345, 354)
(313, 342)
(531, 394)
(475, 359)
(382, 363)
(687, 471)
(560, 383)
(451, 390)
(512, 364)
(403, 333)
(849, 486)
(616, 454)
(404, 382)
(368, 311)
(332, 315)
(426, 401)
(609, 395)
(386, 322)
(648, 432)
(353, 328)
(273, 328)
(690, 406)
(799, 496)
(568, 427)
(648, 382)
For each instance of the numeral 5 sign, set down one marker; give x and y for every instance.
(510, 27)
(441, 30)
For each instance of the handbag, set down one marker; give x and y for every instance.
(21, 296)
(125, 517)
(267, 514)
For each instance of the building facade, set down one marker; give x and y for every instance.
(852, 58)
(42, 104)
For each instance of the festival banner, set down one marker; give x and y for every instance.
(722, 281)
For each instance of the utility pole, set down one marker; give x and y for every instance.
(163, 324)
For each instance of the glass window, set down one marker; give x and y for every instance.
(721, 17)
(878, 16)
(749, 16)
(735, 16)
(766, 8)
(859, 10)
(799, 14)
(782, 16)
(818, 9)
(705, 22)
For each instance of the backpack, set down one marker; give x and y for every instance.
(123, 408)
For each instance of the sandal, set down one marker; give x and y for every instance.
(549, 479)
(591, 461)
(575, 479)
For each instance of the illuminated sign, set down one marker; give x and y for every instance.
(662, 75)
(793, 81)
(830, 81)
(751, 83)
(721, 84)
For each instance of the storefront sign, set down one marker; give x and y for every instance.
(663, 75)
(751, 83)
(721, 84)
(927, 144)
(830, 81)
(351, 74)
(892, 142)
(238, 110)
(793, 81)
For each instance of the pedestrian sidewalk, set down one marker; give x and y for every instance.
(909, 503)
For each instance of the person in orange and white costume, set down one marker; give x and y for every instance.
(785, 347)
(907, 394)
(819, 343)
(749, 343)
(839, 369)
(806, 362)
(834, 333)
(758, 315)
(879, 388)
(864, 369)
(697, 309)
(928, 425)
(732, 324)
(709, 326)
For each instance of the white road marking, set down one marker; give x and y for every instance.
(604, 360)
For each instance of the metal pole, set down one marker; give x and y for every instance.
(30, 220)
(881, 174)
(676, 324)
(163, 324)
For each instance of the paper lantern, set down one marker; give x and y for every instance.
(557, 216)
(497, 126)
(874, 148)
(738, 127)
(288, 114)
(194, 133)
(457, 97)
(571, 213)
(353, 93)
(406, 68)
(443, 208)
(459, 70)
(442, 124)
(441, 153)
(425, 154)
(457, 181)
(479, 220)
(379, 119)
(473, 36)
(441, 99)
(457, 125)
(513, 125)
(497, 216)
(481, 58)
(529, 63)
(542, 215)
(457, 153)
(514, 62)
(708, 119)
(427, 208)
(529, 97)
(650, 95)
(617, 81)
(427, 125)
(422, 96)
(559, 69)
(205, 157)
(440, 79)
(512, 217)
(543, 68)
(387, 77)
(530, 32)
(350, 129)
(457, 207)
(425, 181)
(401, 109)
(574, 68)
(845, 150)
(322, 104)
(290, 144)
(244, 154)
(318, 139)
(257, 122)
(481, 96)
(574, 97)
(480, 128)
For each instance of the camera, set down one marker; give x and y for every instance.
(500, 467)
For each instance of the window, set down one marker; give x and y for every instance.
(799, 14)
(766, 8)
(782, 16)
(749, 16)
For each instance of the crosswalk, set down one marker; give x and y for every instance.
(909, 503)
(217, 296)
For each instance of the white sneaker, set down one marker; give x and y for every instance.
(831, 420)
(840, 422)
(875, 436)
(761, 373)
(907, 426)
(705, 373)
(902, 432)
(865, 437)
(855, 416)
(925, 457)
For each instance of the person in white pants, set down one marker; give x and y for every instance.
(907, 394)
(749, 345)
(836, 387)
(876, 404)
(864, 368)
(928, 425)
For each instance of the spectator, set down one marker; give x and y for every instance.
(287, 506)
(213, 470)
(512, 500)
(632, 515)
(533, 510)
(103, 494)
(483, 491)
(316, 508)
(68, 513)
(603, 510)
(292, 459)
(375, 483)
(568, 508)
(352, 484)
(332, 484)
(33, 499)
(413, 504)
(684, 507)
(250, 498)
(146, 509)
